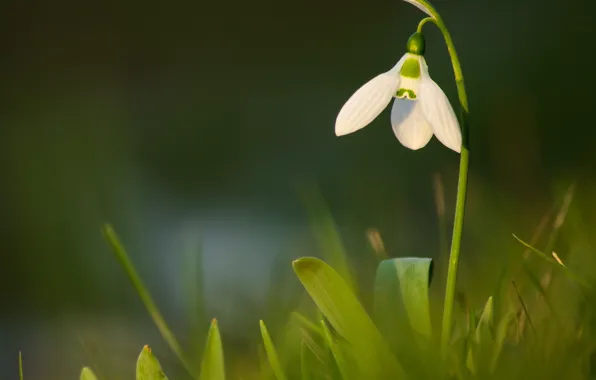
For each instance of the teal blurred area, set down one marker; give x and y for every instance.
(175, 121)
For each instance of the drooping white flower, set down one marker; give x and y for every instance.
(420, 108)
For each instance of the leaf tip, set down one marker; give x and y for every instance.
(306, 263)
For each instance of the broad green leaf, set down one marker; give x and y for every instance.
(148, 367)
(326, 234)
(349, 320)
(271, 353)
(401, 294)
(212, 367)
(87, 374)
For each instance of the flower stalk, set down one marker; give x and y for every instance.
(462, 182)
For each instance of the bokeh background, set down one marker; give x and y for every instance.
(191, 124)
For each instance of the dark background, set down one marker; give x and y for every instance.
(174, 120)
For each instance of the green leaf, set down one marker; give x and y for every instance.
(148, 367)
(212, 367)
(87, 374)
(271, 353)
(334, 298)
(401, 295)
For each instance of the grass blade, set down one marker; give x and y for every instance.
(192, 272)
(347, 317)
(87, 374)
(20, 365)
(141, 289)
(556, 263)
(271, 353)
(148, 367)
(500, 336)
(482, 344)
(212, 367)
(348, 368)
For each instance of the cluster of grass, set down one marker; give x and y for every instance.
(520, 332)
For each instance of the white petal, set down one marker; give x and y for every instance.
(418, 5)
(409, 124)
(439, 113)
(368, 101)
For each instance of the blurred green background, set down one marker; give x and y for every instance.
(186, 119)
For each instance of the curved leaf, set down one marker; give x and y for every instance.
(334, 298)
(401, 294)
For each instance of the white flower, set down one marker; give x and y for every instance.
(420, 108)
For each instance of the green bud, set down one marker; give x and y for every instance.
(416, 44)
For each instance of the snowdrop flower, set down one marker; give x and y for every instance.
(420, 108)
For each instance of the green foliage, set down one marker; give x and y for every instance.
(272, 356)
(20, 366)
(148, 367)
(361, 341)
(212, 366)
(524, 330)
(87, 374)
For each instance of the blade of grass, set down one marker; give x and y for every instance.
(339, 305)
(347, 366)
(145, 296)
(20, 365)
(87, 374)
(551, 260)
(148, 367)
(524, 308)
(534, 281)
(212, 367)
(192, 271)
(500, 335)
(307, 324)
(271, 352)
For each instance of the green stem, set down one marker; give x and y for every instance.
(462, 181)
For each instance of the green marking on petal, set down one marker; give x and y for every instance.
(404, 93)
(411, 68)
